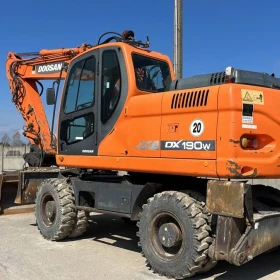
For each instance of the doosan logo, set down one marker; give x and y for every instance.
(88, 151)
(49, 68)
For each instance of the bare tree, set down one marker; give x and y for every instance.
(6, 140)
(16, 139)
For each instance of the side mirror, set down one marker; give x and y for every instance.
(50, 96)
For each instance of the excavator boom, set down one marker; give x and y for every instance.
(24, 72)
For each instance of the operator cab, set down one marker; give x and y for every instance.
(151, 75)
(96, 89)
(97, 86)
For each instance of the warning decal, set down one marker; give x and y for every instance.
(247, 97)
(252, 96)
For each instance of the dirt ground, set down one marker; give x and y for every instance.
(108, 251)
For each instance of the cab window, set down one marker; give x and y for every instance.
(150, 74)
(80, 86)
(110, 84)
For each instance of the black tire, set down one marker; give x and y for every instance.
(81, 224)
(190, 255)
(201, 200)
(55, 209)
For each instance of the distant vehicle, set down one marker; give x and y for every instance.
(13, 153)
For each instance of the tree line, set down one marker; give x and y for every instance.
(14, 141)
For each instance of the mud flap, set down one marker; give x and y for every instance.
(29, 181)
(1, 184)
(18, 190)
(8, 190)
(225, 198)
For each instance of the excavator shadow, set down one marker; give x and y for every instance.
(113, 231)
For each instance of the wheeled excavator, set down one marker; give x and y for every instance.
(188, 148)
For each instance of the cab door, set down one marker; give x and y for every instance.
(78, 114)
(112, 125)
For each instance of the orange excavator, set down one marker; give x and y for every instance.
(188, 146)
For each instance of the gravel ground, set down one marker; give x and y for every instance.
(108, 251)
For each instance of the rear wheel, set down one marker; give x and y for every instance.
(55, 209)
(174, 235)
(201, 200)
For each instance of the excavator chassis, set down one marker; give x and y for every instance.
(247, 216)
(246, 225)
(244, 228)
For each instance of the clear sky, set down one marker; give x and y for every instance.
(216, 34)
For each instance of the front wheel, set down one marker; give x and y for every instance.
(81, 224)
(174, 235)
(55, 209)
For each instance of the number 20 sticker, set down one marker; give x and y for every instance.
(196, 128)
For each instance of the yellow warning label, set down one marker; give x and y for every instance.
(252, 96)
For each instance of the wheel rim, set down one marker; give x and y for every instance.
(48, 210)
(167, 236)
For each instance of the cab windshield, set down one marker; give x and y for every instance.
(150, 74)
